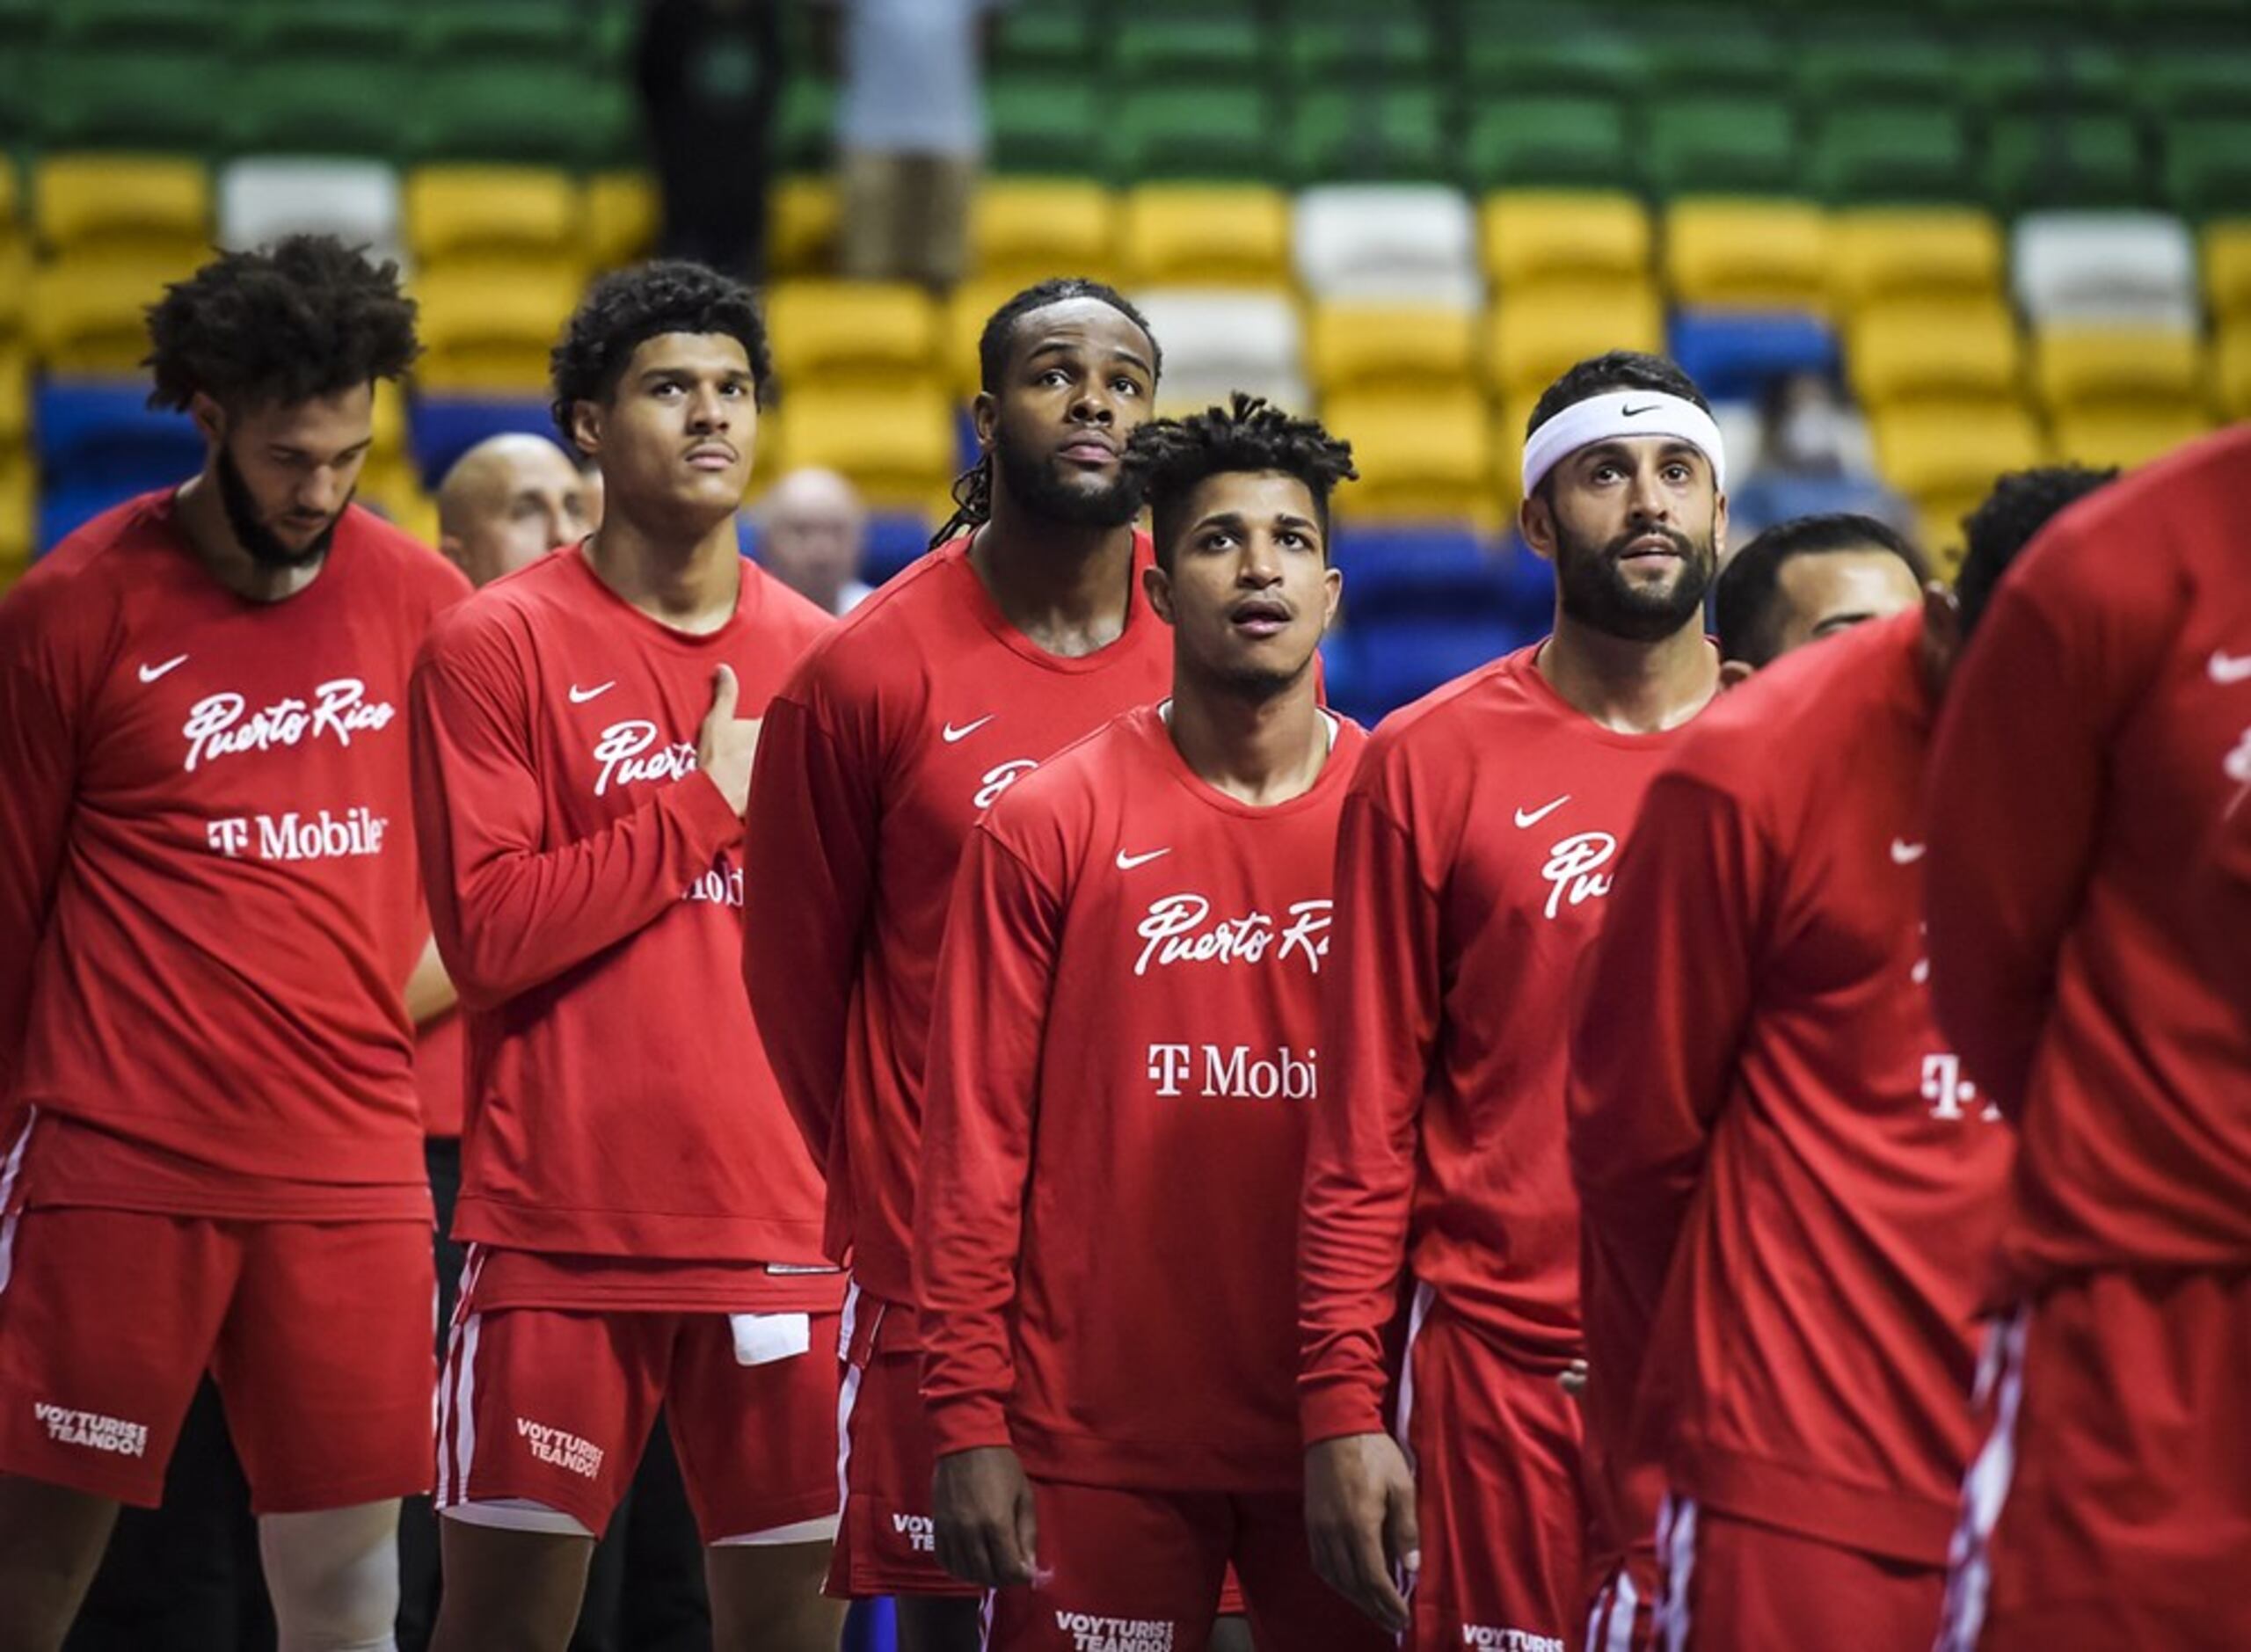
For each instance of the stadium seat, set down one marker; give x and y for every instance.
(339, 103)
(283, 29)
(2065, 161)
(153, 202)
(622, 218)
(1500, 58)
(1220, 132)
(1387, 242)
(1058, 37)
(1209, 45)
(1933, 349)
(1026, 229)
(2126, 434)
(1721, 145)
(2080, 366)
(501, 108)
(447, 424)
(1732, 353)
(897, 447)
(1531, 336)
(1893, 63)
(2124, 267)
(87, 311)
(2208, 166)
(136, 22)
(1397, 663)
(464, 210)
(2227, 269)
(15, 395)
(1360, 347)
(1533, 235)
(102, 434)
(18, 516)
(1393, 574)
(1359, 41)
(488, 327)
(1563, 143)
(1890, 152)
(1044, 126)
(2209, 77)
(516, 30)
(149, 97)
(861, 334)
(1216, 341)
(1423, 455)
(802, 215)
(967, 308)
(1946, 458)
(1747, 254)
(1369, 132)
(2232, 370)
(1205, 234)
(263, 197)
(1877, 253)
(2047, 72)
(806, 125)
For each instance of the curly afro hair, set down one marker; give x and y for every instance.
(1170, 456)
(305, 317)
(627, 308)
(2023, 503)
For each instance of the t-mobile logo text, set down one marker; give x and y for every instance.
(1231, 1073)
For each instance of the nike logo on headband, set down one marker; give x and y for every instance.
(1635, 412)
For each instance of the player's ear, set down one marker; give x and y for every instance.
(210, 419)
(1734, 672)
(1157, 585)
(1332, 593)
(1535, 519)
(586, 427)
(1942, 630)
(985, 414)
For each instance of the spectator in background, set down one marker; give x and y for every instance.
(910, 135)
(813, 533)
(1801, 580)
(1813, 460)
(507, 502)
(710, 75)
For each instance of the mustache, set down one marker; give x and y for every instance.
(1678, 540)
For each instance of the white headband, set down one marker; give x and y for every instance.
(1616, 413)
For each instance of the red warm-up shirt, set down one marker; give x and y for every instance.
(2226, 903)
(586, 887)
(1126, 1047)
(442, 1074)
(209, 896)
(1784, 1116)
(919, 709)
(2081, 768)
(1477, 845)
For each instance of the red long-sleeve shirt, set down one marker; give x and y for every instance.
(442, 1074)
(586, 886)
(2080, 770)
(918, 710)
(209, 896)
(1476, 847)
(1785, 1114)
(1124, 1049)
(2227, 902)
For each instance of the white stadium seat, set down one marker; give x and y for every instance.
(263, 197)
(2135, 268)
(1388, 243)
(1216, 341)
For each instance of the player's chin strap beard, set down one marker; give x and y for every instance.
(1621, 415)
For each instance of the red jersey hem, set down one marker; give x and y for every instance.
(1897, 1525)
(481, 1219)
(1085, 1460)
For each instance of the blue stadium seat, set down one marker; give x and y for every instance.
(1397, 661)
(893, 541)
(102, 435)
(1420, 572)
(1732, 353)
(444, 427)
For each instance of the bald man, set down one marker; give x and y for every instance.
(812, 530)
(507, 502)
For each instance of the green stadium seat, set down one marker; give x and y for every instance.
(2036, 161)
(1721, 145)
(1217, 132)
(1055, 34)
(269, 29)
(1042, 125)
(1558, 141)
(1351, 46)
(2212, 79)
(118, 97)
(510, 29)
(470, 109)
(320, 105)
(1864, 152)
(1553, 63)
(138, 23)
(1167, 47)
(1725, 53)
(2208, 167)
(805, 126)
(1378, 133)
(1830, 70)
(2030, 74)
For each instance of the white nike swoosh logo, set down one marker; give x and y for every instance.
(1906, 854)
(1532, 816)
(1127, 863)
(149, 674)
(949, 733)
(579, 697)
(2229, 668)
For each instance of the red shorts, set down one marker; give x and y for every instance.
(318, 1334)
(552, 1407)
(1734, 1583)
(1503, 1518)
(2110, 1505)
(1129, 1569)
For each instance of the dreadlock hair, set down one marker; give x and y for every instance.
(627, 308)
(1249, 437)
(2021, 505)
(303, 318)
(972, 489)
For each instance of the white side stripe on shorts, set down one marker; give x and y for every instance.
(847, 1394)
(1985, 1489)
(1610, 1626)
(11, 1171)
(457, 1390)
(1676, 1549)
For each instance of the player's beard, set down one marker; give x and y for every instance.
(1595, 592)
(265, 547)
(1033, 483)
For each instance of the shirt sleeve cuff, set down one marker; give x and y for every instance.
(706, 813)
(1332, 1407)
(966, 1424)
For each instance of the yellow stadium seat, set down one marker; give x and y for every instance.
(148, 200)
(1423, 455)
(1747, 254)
(968, 309)
(621, 218)
(2126, 433)
(15, 395)
(896, 447)
(1533, 234)
(830, 334)
(454, 211)
(1205, 234)
(15, 285)
(1904, 349)
(801, 218)
(488, 326)
(18, 513)
(1026, 229)
(1885, 252)
(1953, 452)
(87, 310)
(389, 424)
(2075, 366)
(1532, 336)
(392, 486)
(1390, 346)
(2227, 268)
(2232, 368)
